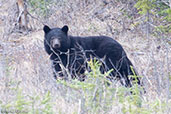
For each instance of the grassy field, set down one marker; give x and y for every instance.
(26, 81)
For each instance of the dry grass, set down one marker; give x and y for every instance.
(25, 65)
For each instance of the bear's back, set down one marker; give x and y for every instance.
(94, 42)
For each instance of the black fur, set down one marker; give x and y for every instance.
(78, 49)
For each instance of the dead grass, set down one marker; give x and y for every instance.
(25, 65)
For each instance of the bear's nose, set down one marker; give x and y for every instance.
(56, 46)
(55, 43)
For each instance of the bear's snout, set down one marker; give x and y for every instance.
(55, 43)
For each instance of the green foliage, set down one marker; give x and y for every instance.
(158, 10)
(47, 104)
(35, 105)
(41, 7)
(96, 93)
(167, 14)
(164, 28)
(20, 102)
(100, 96)
(144, 6)
(131, 103)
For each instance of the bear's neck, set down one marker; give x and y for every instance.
(75, 40)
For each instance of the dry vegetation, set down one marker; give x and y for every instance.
(25, 68)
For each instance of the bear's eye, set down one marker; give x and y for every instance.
(54, 37)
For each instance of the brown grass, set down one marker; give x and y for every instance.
(25, 65)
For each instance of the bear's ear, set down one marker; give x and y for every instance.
(65, 29)
(46, 29)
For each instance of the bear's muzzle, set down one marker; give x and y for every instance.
(55, 43)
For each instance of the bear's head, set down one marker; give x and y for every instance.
(56, 39)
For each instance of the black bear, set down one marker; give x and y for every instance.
(72, 52)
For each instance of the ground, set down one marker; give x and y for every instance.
(24, 61)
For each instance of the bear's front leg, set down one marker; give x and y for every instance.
(57, 71)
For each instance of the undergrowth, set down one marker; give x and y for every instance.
(97, 95)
